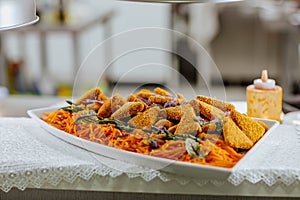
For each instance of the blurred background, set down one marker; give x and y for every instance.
(240, 39)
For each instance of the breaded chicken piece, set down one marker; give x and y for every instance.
(102, 97)
(222, 105)
(187, 124)
(145, 119)
(174, 113)
(116, 102)
(252, 128)
(263, 124)
(127, 110)
(93, 99)
(188, 113)
(157, 99)
(192, 128)
(133, 98)
(164, 123)
(144, 93)
(162, 114)
(105, 110)
(91, 94)
(145, 90)
(234, 136)
(162, 92)
(209, 111)
(209, 128)
(94, 106)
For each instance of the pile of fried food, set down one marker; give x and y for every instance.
(196, 127)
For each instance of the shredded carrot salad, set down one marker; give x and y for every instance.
(218, 152)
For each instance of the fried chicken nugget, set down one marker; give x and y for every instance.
(116, 102)
(263, 124)
(164, 123)
(162, 92)
(252, 128)
(133, 98)
(144, 93)
(96, 105)
(127, 110)
(222, 105)
(209, 128)
(207, 110)
(145, 119)
(173, 113)
(187, 124)
(105, 110)
(188, 128)
(91, 94)
(157, 99)
(234, 136)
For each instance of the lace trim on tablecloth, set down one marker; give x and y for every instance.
(28, 159)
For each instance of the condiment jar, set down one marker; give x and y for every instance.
(264, 98)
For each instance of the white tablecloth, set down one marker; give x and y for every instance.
(31, 157)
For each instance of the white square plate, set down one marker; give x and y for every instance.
(177, 167)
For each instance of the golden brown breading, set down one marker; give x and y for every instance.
(94, 106)
(192, 128)
(209, 128)
(263, 124)
(196, 105)
(252, 128)
(202, 135)
(105, 110)
(116, 102)
(162, 92)
(174, 113)
(133, 98)
(234, 136)
(102, 96)
(144, 90)
(162, 114)
(222, 105)
(207, 110)
(164, 123)
(91, 94)
(187, 124)
(211, 137)
(127, 110)
(145, 119)
(172, 129)
(144, 93)
(157, 99)
(188, 113)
